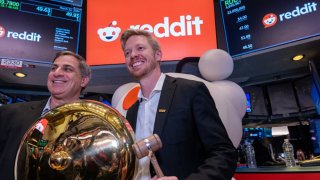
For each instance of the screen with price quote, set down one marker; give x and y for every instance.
(252, 25)
(35, 31)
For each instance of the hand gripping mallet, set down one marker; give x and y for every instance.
(146, 147)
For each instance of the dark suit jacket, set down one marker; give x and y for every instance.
(195, 142)
(15, 120)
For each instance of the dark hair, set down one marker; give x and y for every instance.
(83, 66)
(131, 32)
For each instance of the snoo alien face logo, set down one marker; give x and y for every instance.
(2, 32)
(109, 34)
(269, 20)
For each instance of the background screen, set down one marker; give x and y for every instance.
(256, 133)
(315, 134)
(71, 2)
(248, 97)
(184, 28)
(252, 25)
(35, 31)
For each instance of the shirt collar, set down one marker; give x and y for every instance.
(47, 107)
(157, 88)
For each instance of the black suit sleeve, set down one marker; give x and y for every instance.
(15, 120)
(220, 154)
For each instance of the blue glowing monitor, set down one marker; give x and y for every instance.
(248, 108)
(315, 134)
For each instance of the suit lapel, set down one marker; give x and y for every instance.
(133, 114)
(37, 108)
(164, 105)
(39, 105)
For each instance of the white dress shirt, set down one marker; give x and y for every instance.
(145, 125)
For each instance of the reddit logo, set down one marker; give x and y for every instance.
(2, 31)
(41, 125)
(269, 20)
(109, 34)
(188, 26)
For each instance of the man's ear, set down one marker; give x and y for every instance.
(158, 55)
(84, 81)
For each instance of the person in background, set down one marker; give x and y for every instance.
(263, 152)
(183, 114)
(300, 155)
(68, 76)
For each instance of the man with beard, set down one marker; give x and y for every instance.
(183, 114)
(68, 76)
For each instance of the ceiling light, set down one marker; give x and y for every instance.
(19, 74)
(298, 57)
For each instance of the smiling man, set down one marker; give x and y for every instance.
(68, 76)
(183, 114)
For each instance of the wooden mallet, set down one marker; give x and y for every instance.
(146, 147)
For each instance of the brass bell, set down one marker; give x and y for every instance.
(80, 140)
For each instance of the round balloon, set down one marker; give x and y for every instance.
(215, 65)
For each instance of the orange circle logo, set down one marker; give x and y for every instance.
(2, 31)
(269, 20)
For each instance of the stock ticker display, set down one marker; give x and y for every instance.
(35, 31)
(252, 25)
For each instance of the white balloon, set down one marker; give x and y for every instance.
(231, 102)
(215, 65)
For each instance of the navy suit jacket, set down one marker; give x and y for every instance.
(15, 120)
(195, 142)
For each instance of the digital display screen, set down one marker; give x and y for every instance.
(71, 2)
(36, 31)
(257, 133)
(183, 28)
(248, 108)
(256, 101)
(252, 25)
(315, 87)
(315, 134)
